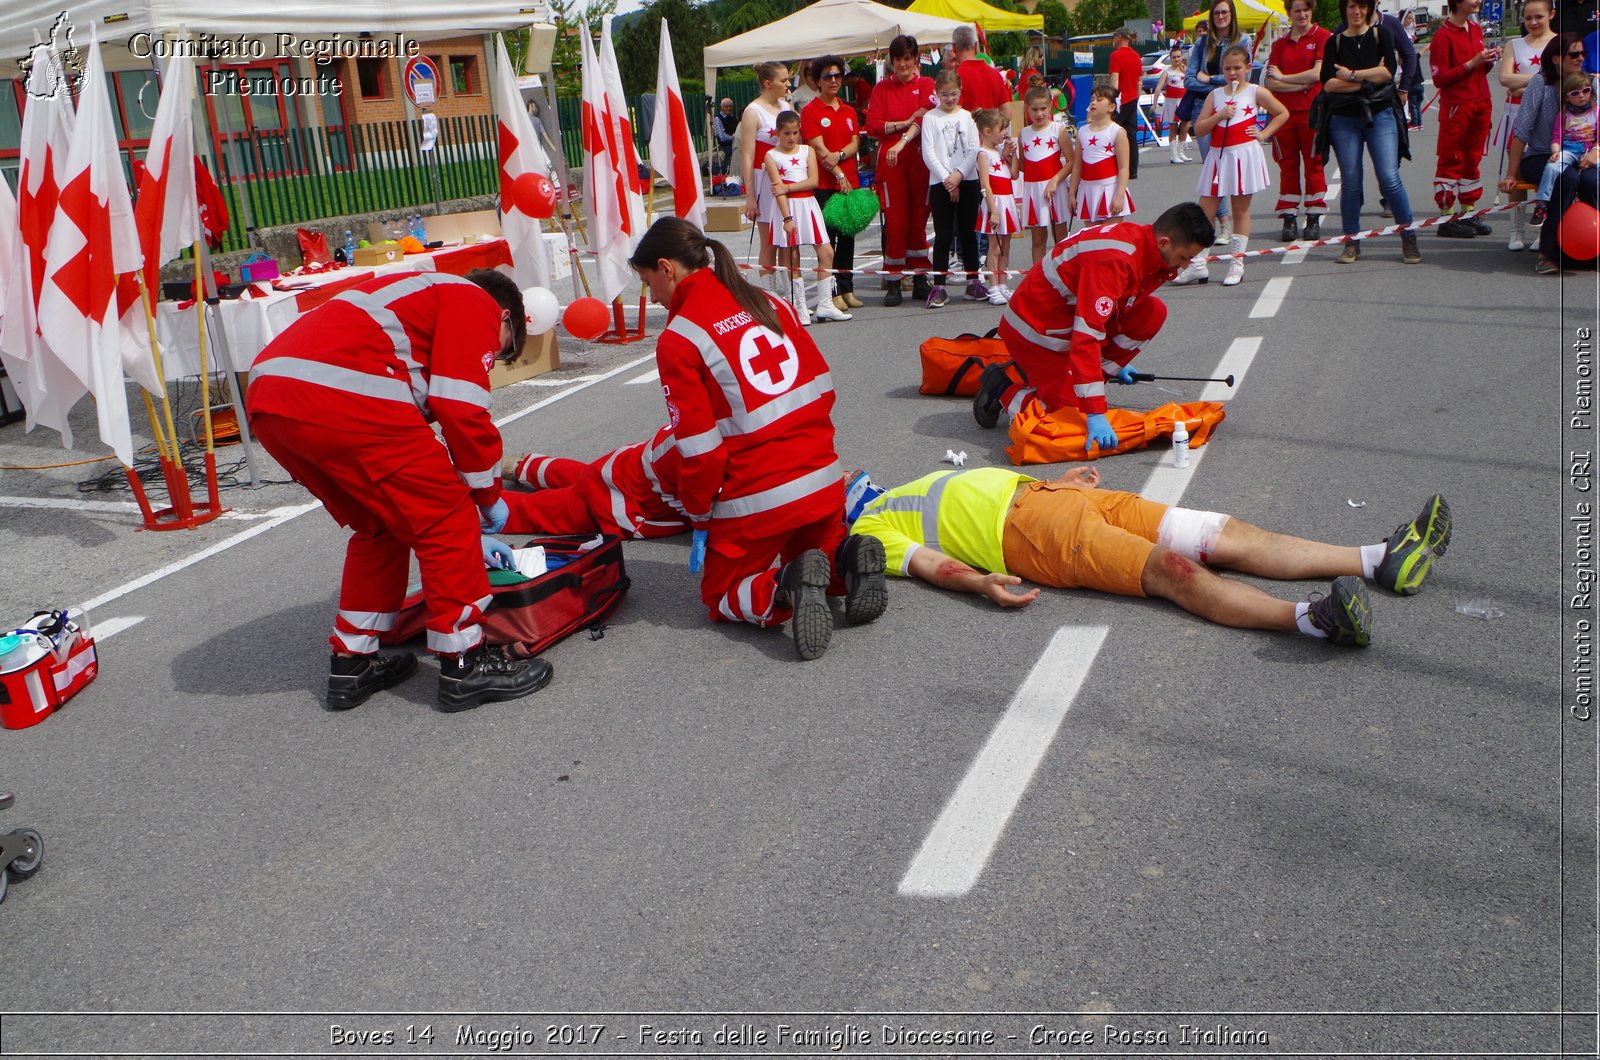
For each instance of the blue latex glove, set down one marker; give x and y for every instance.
(697, 551)
(1125, 375)
(497, 554)
(1100, 432)
(495, 516)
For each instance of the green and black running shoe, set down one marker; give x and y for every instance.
(1413, 547)
(1344, 614)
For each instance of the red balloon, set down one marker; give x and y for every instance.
(586, 318)
(1579, 233)
(534, 195)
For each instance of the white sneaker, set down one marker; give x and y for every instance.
(997, 295)
(1194, 272)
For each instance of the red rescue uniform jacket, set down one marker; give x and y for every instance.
(389, 356)
(1068, 301)
(751, 410)
(1452, 46)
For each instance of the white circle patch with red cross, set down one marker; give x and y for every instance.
(1103, 306)
(768, 360)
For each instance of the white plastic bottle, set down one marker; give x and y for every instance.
(1180, 443)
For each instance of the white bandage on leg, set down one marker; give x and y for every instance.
(1191, 534)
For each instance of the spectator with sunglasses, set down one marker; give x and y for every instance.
(1530, 144)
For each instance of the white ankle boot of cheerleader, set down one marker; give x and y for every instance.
(797, 298)
(826, 310)
(1236, 266)
(1194, 272)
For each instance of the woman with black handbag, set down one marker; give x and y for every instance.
(1364, 115)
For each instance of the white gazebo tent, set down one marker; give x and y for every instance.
(838, 27)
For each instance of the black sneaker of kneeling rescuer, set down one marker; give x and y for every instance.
(803, 588)
(352, 679)
(486, 674)
(861, 565)
(992, 383)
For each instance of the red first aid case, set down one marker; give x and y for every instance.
(54, 661)
(581, 593)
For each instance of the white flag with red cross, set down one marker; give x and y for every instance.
(672, 152)
(520, 153)
(605, 184)
(89, 310)
(47, 387)
(168, 209)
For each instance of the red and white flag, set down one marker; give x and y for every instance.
(89, 310)
(520, 152)
(622, 129)
(672, 152)
(606, 184)
(168, 208)
(47, 387)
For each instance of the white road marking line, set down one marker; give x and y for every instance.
(105, 630)
(586, 384)
(1295, 257)
(958, 847)
(653, 375)
(1271, 299)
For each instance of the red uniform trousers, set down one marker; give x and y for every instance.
(739, 582)
(1047, 372)
(574, 499)
(1293, 148)
(903, 191)
(400, 494)
(1463, 136)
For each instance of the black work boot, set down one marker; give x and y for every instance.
(861, 564)
(1313, 228)
(1290, 232)
(353, 678)
(920, 287)
(803, 588)
(487, 675)
(892, 295)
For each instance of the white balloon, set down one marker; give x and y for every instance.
(541, 309)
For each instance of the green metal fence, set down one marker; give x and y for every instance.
(570, 110)
(300, 175)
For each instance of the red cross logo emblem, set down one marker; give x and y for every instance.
(769, 361)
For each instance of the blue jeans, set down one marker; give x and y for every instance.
(1564, 159)
(1348, 134)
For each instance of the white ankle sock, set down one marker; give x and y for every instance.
(1302, 619)
(1371, 556)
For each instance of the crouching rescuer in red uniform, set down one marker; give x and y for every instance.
(343, 399)
(1083, 313)
(749, 399)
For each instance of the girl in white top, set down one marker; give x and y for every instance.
(758, 135)
(1235, 165)
(791, 174)
(1526, 53)
(997, 164)
(1099, 183)
(1046, 157)
(950, 149)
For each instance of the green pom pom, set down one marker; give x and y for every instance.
(851, 212)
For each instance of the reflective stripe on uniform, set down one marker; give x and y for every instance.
(777, 408)
(368, 620)
(1126, 343)
(1026, 330)
(1089, 390)
(1082, 327)
(334, 377)
(777, 496)
(459, 390)
(376, 304)
(479, 480)
(715, 360)
(619, 503)
(700, 444)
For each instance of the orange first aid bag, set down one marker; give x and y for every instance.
(951, 367)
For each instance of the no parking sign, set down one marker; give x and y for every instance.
(421, 78)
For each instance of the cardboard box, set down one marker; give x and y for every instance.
(555, 247)
(379, 255)
(726, 216)
(462, 227)
(539, 355)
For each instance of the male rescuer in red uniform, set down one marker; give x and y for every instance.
(749, 397)
(1084, 312)
(1461, 74)
(342, 399)
(630, 492)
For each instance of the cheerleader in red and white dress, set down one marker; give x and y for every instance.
(791, 172)
(998, 218)
(1099, 185)
(1046, 154)
(1170, 88)
(758, 134)
(1235, 165)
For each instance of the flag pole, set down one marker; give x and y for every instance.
(213, 501)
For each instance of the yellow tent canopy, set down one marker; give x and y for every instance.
(1251, 13)
(992, 19)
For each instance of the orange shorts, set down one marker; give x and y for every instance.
(1070, 537)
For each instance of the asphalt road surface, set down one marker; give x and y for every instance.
(1096, 825)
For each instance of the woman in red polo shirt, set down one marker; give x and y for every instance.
(828, 124)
